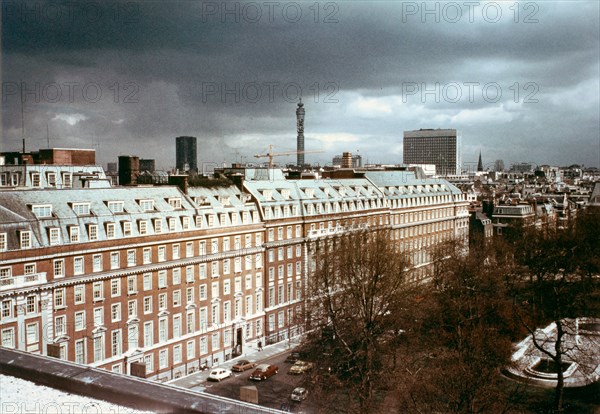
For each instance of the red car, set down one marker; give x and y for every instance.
(264, 371)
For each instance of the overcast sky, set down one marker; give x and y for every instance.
(519, 80)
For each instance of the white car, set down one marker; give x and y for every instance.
(299, 394)
(218, 374)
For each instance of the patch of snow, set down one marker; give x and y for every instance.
(18, 396)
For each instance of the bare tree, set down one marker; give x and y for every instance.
(462, 336)
(559, 265)
(356, 295)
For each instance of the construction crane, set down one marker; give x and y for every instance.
(272, 154)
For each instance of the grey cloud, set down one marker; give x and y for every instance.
(172, 53)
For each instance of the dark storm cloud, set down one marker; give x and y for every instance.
(172, 68)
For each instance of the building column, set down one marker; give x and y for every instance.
(47, 321)
(21, 328)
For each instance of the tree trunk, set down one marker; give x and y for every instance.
(560, 380)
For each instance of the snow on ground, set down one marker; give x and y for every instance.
(20, 396)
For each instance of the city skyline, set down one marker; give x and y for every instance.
(519, 80)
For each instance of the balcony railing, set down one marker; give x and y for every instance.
(15, 282)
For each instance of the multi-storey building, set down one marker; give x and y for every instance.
(186, 158)
(440, 147)
(423, 214)
(171, 280)
(347, 160)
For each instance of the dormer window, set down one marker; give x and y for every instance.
(92, 232)
(81, 209)
(147, 205)
(42, 211)
(74, 234)
(25, 239)
(54, 235)
(35, 179)
(174, 202)
(224, 200)
(201, 201)
(310, 192)
(127, 228)
(158, 222)
(110, 230)
(268, 195)
(66, 180)
(185, 223)
(143, 227)
(51, 178)
(115, 206)
(285, 193)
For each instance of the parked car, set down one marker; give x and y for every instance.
(243, 365)
(293, 357)
(299, 394)
(218, 374)
(264, 371)
(300, 367)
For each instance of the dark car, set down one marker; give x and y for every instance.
(243, 365)
(264, 371)
(293, 357)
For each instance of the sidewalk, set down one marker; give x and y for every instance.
(251, 353)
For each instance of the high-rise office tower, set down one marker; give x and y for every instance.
(300, 138)
(185, 154)
(440, 147)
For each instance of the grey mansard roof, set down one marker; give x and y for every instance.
(16, 211)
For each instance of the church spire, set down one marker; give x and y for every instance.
(480, 163)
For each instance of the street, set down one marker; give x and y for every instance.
(274, 392)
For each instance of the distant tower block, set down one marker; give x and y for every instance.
(147, 165)
(185, 154)
(129, 169)
(347, 160)
(300, 128)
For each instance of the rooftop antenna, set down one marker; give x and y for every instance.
(47, 136)
(300, 134)
(22, 119)
(95, 142)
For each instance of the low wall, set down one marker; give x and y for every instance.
(118, 389)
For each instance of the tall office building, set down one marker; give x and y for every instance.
(300, 137)
(440, 147)
(185, 154)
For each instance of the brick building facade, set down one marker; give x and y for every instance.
(172, 280)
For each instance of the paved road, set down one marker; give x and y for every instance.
(252, 354)
(273, 392)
